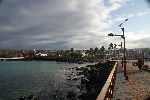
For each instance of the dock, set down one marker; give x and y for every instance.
(13, 58)
(137, 87)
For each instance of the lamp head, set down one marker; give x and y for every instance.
(122, 29)
(110, 34)
(126, 20)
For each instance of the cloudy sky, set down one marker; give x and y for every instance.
(81, 24)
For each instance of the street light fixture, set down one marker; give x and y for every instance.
(122, 23)
(122, 36)
(110, 34)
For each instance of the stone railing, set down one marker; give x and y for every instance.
(107, 90)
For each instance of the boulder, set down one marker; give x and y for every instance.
(71, 94)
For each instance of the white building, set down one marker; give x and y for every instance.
(42, 54)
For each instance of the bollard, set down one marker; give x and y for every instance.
(126, 77)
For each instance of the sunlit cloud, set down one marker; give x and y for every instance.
(143, 13)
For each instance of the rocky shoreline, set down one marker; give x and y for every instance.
(93, 78)
(57, 59)
(90, 79)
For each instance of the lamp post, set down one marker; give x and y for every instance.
(122, 36)
(124, 53)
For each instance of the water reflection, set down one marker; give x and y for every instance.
(42, 79)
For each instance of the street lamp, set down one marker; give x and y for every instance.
(122, 23)
(122, 36)
(110, 34)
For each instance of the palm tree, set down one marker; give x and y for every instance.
(96, 51)
(91, 52)
(111, 46)
(102, 49)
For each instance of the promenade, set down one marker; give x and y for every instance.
(137, 87)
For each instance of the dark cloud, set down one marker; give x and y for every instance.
(1, 1)
(44, 23)
(53, 24)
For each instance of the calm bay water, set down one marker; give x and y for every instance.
(42, 79)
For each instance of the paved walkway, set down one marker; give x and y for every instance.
(137, 87)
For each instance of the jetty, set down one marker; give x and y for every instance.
(136, 87)
(11, 59)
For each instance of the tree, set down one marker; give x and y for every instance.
(91, 51)
(111, 46)
(87, 52)
(67, 54)
(96, 51)
(72, 50)
(102, 49)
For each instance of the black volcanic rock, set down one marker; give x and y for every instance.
(71, 94)
(22, 98)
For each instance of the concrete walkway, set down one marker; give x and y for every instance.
(137, 87)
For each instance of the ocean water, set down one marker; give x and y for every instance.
(40, 78)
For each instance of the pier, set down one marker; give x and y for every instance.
(118, 87)
(13, 58)
(137, 87)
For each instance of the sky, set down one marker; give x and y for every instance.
(78, 24)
